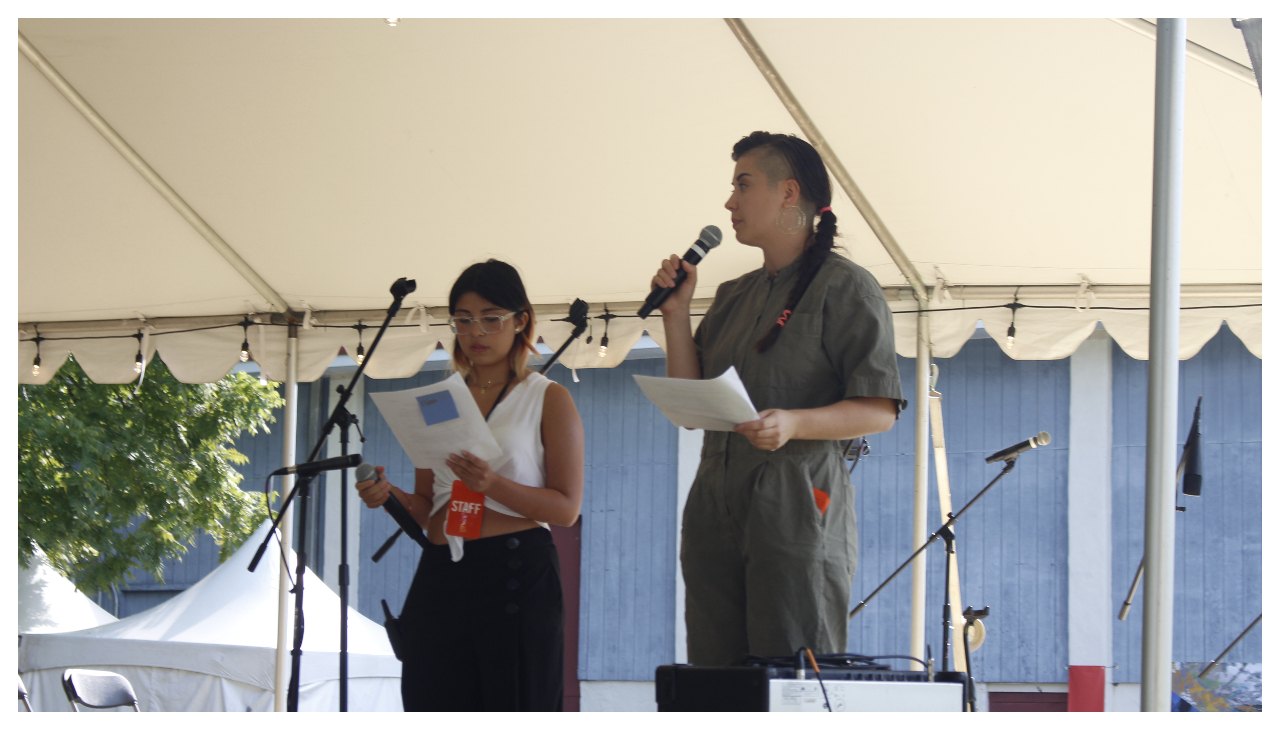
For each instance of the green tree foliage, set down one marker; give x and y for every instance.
(110, 481)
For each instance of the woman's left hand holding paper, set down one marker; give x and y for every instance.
(473, 471)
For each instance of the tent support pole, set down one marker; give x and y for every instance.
(150, 175)
(920, 528)
(1162, 367)
(920, 495)
(284, 631)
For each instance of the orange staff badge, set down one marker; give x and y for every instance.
(466, 512)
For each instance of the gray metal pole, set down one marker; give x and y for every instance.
(1162, 367)
(284, 616)
(920, 499)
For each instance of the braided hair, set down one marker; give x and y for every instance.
(787, 157)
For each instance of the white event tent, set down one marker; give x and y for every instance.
(212, 647)
(49, 603)
(176, 175)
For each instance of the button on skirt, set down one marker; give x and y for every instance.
(486, 632)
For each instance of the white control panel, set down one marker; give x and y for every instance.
(804, 695)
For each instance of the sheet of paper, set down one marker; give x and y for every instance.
(434, 421)
(717, 404)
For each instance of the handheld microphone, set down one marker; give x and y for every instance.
(366, 472)
(315, 467)
(708, 239)
(1040, 439)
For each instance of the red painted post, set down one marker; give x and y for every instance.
(1086, 689)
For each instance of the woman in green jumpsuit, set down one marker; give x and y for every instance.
(769, 539)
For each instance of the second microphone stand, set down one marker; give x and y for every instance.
(399, 290)
(948, 537)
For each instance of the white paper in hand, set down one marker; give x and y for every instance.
(434, 421)
(718, 404)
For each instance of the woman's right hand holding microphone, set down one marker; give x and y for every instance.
(680, 299)
(374, 492)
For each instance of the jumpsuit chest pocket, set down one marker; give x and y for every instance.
(797, 360)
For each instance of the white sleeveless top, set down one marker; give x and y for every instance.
(516, 424)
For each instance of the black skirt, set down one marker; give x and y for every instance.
(486, 632)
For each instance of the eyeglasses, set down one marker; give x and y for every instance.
(488, 324)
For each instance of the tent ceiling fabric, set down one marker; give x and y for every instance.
(337, 155)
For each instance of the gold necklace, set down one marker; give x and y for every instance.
(483, 386)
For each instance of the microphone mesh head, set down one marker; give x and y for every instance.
(710, 237)
(1042, 438)
(366, 471)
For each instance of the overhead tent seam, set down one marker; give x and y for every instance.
(149, 174)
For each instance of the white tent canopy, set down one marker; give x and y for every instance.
(49, 603)
(334, 156)
(212, 647)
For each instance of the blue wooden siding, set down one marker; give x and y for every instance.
(1012, 545)
(627, 623)
(1218, 558)
(626, 618)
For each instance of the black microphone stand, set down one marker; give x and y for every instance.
(970, 618)
(399, 290)
(578, 318)
(345, 420)
(949, 539)
(951, 520)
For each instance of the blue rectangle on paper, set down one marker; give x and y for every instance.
(437, 407)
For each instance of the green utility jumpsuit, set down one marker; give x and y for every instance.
(765, 572)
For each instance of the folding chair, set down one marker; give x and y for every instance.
(22, 693)
(99, 690)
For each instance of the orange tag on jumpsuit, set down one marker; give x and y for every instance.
(466, 512)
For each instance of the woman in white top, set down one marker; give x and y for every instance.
(483, 624)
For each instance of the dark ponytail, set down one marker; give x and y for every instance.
(787, 157)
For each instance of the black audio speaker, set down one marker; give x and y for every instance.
(682, 688)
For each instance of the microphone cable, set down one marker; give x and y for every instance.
(817, 674)
(266, 500)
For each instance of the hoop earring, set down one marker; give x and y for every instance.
(801, 220)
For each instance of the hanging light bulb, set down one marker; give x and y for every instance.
(360, 346)
(1008, 340)
(604, 345)
(35, 364)
(137, 359)
(244, 351)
